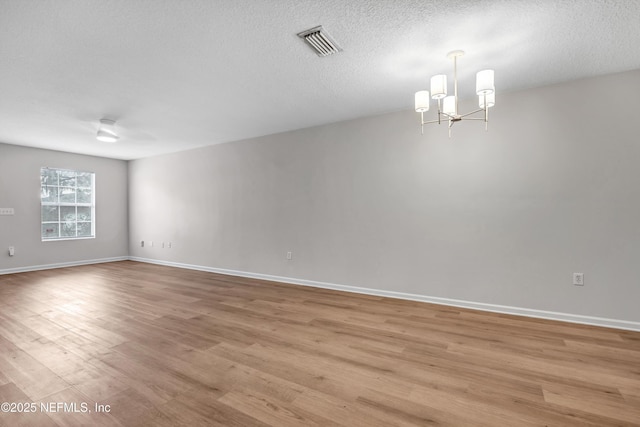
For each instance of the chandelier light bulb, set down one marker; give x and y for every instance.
(484, 82)
(449, 105)
(490, 99)
(439, 86)
(422, 101)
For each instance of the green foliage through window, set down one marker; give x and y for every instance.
(67, 200)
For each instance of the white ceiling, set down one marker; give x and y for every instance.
(178, 74)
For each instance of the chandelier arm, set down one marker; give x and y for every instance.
(473, 112)
(475, 118)
(430, 121)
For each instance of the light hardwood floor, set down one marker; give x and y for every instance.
(164, 346)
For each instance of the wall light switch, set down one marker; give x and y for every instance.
(6, 211)
(578, 279)
(12, 251)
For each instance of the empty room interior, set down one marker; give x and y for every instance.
(319, 213)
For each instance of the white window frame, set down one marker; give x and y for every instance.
(46, 187)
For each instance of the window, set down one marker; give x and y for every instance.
(67, 201)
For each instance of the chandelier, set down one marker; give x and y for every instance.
(448, 105)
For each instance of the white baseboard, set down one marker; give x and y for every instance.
(518, 311)
(61, 265)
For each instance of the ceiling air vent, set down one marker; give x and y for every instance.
(321, 42)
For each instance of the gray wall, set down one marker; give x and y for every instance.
(20, 189)
(503, 217)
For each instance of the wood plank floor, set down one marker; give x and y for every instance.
(164, 347)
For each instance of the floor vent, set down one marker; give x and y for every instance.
(321, 42)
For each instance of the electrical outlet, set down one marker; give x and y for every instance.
(578, 279)
(288, 255)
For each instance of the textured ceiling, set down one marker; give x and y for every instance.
(178, 74)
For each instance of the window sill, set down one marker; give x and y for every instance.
(57, 239)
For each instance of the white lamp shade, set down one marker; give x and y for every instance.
(422, 101)
(449, 105)
(439, 86)
(107, 131)
(491, 100)
(106, 137)
(484, 82)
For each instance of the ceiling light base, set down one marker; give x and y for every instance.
(107, 131)
(455, 54)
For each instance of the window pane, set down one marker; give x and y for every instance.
(67, 178)
(67, 213)
(49, 177)
(68, 229)
(84, 195)
(67, 195)
(49, 231)
(84, 214)
(49, 194)
(49, 213)
(84, 179)
(84, 229)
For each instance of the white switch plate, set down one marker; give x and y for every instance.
(6, 211)
(578, 279)
(12, 251)
(288, 255)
